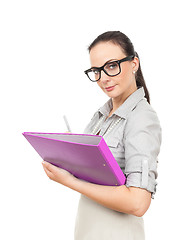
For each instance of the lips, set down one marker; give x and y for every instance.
(110, 88)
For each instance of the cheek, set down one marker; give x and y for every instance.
(125, 75)
(99, 84)
(121, 79)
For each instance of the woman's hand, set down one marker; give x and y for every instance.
(58, 174)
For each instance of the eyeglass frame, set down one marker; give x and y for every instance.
(99, 69)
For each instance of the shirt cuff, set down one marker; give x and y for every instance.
(138, 179)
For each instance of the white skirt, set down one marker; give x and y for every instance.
(95, 222)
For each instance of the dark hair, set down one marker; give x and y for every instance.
(125, 43)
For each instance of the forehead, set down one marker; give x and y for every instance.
(105, 51)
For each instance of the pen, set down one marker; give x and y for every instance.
(67, 124)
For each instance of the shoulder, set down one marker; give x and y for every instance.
(143, 116)
(143, 111)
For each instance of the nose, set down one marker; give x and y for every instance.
(104, 77)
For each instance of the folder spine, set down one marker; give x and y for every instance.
(119, 175)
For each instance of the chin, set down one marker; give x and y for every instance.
(113, 94)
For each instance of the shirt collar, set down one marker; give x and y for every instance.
(128, 105)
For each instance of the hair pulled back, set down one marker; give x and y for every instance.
(125, 43)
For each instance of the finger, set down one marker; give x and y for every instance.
(51, 168)
(48, 173)
(48, 166)
(45, 169)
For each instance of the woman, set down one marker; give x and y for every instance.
(132, 131)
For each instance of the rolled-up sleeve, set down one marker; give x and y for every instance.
(142, 140)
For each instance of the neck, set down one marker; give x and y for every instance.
(118, 101)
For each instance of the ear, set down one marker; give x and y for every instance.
(135, 64)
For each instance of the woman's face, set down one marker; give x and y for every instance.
(121, 86)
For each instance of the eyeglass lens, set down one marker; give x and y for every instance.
(111, 69)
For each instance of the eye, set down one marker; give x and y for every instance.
(111, 66)
(95, 71)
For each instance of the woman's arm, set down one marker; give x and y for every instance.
(124, 199)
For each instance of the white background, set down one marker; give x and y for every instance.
(43, 53)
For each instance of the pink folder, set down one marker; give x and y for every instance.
(85, 156)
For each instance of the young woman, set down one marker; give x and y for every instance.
(132, 131)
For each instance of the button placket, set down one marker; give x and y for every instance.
(105, 126)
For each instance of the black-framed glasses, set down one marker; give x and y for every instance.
(111, 68)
